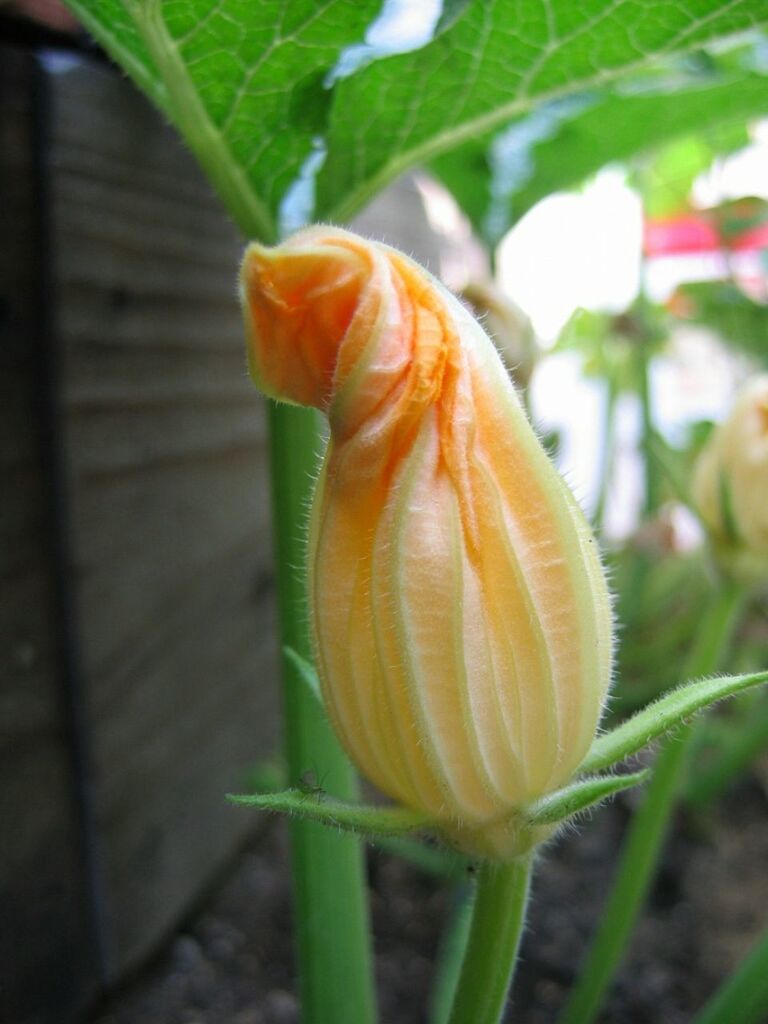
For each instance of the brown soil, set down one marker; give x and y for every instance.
(232, 964)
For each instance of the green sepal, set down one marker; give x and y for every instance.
(361, 818)
(306, 671)
(663, 716)
(557, 807)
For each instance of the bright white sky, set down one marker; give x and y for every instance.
(575, 249)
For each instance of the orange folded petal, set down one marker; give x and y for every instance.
(461, 621)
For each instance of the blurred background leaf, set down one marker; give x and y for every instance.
(667, 176)
(739, 321)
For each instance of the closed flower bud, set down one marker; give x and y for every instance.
(730, 485)
(460, 617)
(510, 329)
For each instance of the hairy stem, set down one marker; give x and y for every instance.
(183, 103)
(489, 962)
(330, 906)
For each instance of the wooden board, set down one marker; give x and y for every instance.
(165, 442)
(47, 958)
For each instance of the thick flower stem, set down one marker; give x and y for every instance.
(494, 939)
(644, 842)
(330, 906)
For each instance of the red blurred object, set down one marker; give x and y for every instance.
(725, 242)
(676, 235)
(707, 232)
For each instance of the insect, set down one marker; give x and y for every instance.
(308, 783)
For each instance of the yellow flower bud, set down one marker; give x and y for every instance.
(730, 484)
(510, 329)
(460, 617)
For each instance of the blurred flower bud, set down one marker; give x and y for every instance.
(508, 326)
(730, 485)
(460, 617)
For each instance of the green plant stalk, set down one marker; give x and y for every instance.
(650, 465)
(606, 461)
(450, 954)
(743, 997)
(498, 916)
(182, 101)
(643, 844)
(330, 907)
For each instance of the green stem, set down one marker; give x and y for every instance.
(650, 466)
(743, 998)
(494, 939)
(183, 103)
(450, 954)
(643, 844)
(606, 460)
(331, 913)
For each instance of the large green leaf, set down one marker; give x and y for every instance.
(497, 178)
(500, 59)
(264, 92)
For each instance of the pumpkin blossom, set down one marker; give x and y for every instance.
(730, 484)
(460, 618)
(509, 328)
